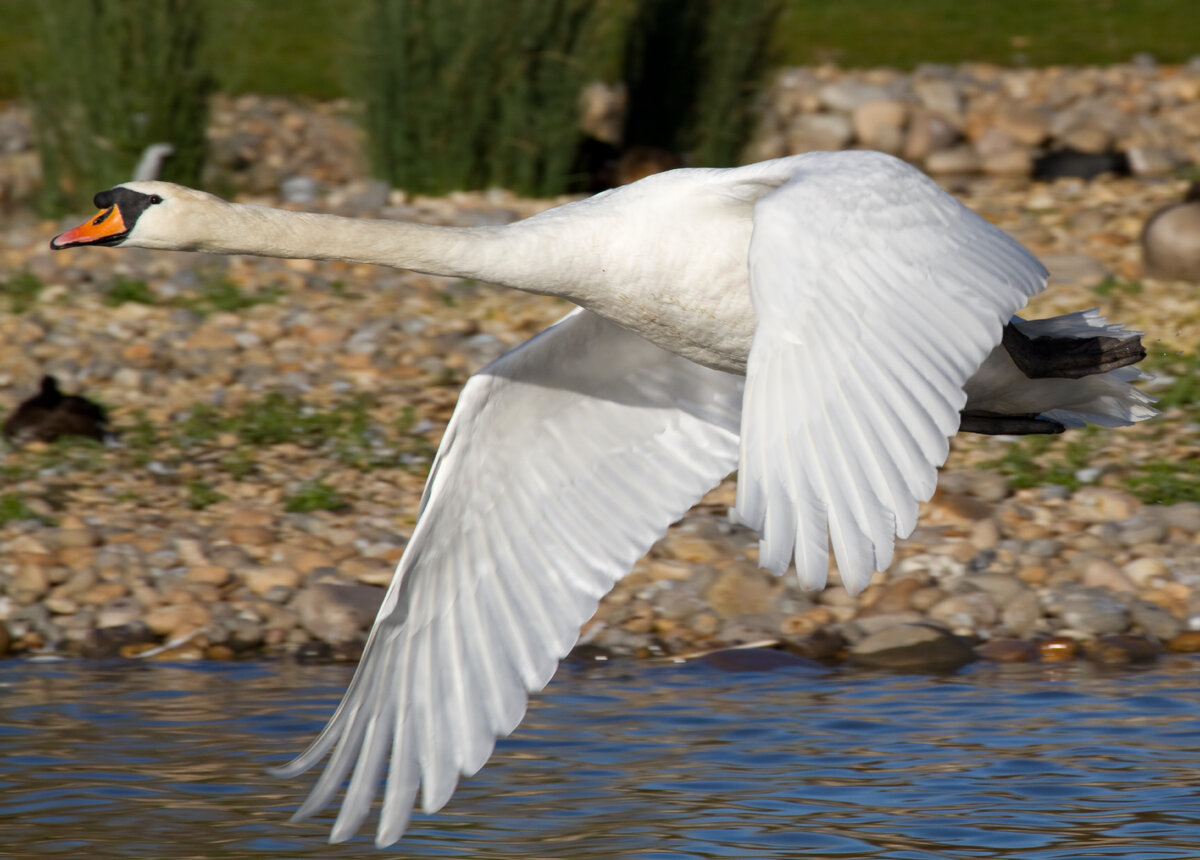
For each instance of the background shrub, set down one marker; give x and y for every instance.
(111, 79)
(693, 68)
(476, 93)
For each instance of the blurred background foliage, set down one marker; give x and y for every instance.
(470, 93)
(303, 47)
(112, 79)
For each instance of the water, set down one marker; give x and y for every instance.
(627, 761)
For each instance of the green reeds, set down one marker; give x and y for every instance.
(112, 79)
(465, 94)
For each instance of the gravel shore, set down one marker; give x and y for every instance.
(275, 421)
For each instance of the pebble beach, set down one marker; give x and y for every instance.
(274, 420)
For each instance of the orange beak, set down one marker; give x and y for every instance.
(106, 228)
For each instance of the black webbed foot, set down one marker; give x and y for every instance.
(1070, 357)
(995, 424)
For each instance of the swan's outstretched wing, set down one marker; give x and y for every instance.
(877, 296)
(565, 460)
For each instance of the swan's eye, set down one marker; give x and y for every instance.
(154, 198)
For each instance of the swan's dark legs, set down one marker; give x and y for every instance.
(1052, 357)
(1070, 357)
(994, 424)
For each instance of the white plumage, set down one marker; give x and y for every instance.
(817, 322)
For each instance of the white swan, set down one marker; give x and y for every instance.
(817, 322)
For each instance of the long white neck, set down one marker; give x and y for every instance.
(511, 255)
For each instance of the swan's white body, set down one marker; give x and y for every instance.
(815, 322)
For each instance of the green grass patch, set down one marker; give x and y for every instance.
(1166, 483)
(315, 496)
(13, 507)
(124, 290)
(1038, 460)
(220, 294)
(1183, 391)
(1111, 285)
(200, 495)
(344, 430)
(21, 289)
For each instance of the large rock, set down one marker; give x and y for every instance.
(912, 647)
(928, 132)
(1092, 610)
(337, 613)
(817, 132)
(879, 124)
(1171, 240)
(956, 160)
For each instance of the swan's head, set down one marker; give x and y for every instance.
(145, 215)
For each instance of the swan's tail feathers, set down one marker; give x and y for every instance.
(1052, 374)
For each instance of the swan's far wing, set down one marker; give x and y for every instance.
(877, 295)
(565, 460)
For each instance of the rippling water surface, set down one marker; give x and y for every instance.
(632, 760)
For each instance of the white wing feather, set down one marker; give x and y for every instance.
(877, 296)
(565, 460)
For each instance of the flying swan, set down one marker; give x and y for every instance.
(822, 323)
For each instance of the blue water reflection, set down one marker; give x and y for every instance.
(628, 760)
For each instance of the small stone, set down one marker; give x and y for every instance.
(1141, 529)
(209, 575)
(102, 592)
(75, 538)
(119, 612)
(1058, 649)
(1144, 571)
(965, 613)
(1044, 548)
(1120, 650)
(1087, 138)
(31, 583)
(1187, 642)
(1184, 515)
(1155, 621)
(895, 595)
(1022, 615)
(260, 580)
(175, 620)
(705, 624)
(740, 591)
(368, 571)
(690, 548)
(1152, 161)
(61, 605)
(244, 535)
(960, 159)
(1101, 573)
(984, 534)
(1008, 651)
(1023, 123)
(844, 96)
(1101, 505)
(1000, 587)
(1017, 161)
(991, 487)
